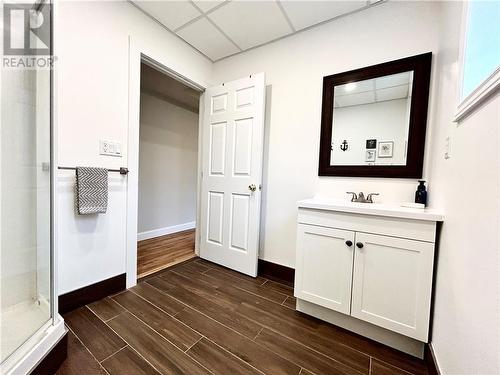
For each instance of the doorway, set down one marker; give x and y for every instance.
(168, 165)
(230, 146)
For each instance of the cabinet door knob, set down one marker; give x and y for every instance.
(359, 245)
(348, 243)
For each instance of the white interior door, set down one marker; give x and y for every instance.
(233, 132)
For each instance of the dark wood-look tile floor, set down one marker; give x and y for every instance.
(201, 318)
(156, 254)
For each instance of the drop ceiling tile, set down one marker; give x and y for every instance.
(392, 93)
(303, 14)
(172, 14)
(251, 23)
(354, 87)
(355, 99)
(206, 38)
(393, 80)
(206, 5)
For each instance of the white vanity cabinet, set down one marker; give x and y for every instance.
(371, 263)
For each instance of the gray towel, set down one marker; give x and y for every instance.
(91, 190)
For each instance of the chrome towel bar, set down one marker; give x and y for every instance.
(122, 170)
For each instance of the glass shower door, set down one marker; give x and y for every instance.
(25, 176)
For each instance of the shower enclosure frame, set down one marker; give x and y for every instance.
(39, 346)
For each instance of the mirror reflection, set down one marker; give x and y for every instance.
(371, 121)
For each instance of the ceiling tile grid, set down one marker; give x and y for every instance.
(251, 23)
(172, 14)
(207, 39)
(221, 28)
(304, 14)
(206, 5)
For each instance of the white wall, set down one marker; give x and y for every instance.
(168, 155)
(92, 74)
(383, 121)
(466, 329)
(294, 70)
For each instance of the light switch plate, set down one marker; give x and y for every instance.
(110, 148)
(447, 148)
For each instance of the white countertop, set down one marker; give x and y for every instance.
(376, 209)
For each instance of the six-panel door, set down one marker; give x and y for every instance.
(233, 122)
(324, 266)
(392, 283)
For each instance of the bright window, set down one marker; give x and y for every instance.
(482, 44)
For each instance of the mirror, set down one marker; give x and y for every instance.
(374, 120)
(371, 120)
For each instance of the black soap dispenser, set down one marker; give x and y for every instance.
(421, 193)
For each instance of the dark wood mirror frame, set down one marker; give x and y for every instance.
(421, 67)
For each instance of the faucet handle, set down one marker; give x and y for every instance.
(369, 197)
(354, 197)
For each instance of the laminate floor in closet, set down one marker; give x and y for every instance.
(156, 254)
(200, 318)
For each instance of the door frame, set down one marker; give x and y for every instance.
(142, 51)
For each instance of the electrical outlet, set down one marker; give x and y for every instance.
(110, 148)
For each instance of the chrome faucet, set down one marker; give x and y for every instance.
(360, 198)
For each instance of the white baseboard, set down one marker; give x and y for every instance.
(166, 230)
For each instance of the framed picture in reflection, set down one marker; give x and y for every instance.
(371, 143)
(370, 155)
(385, 149)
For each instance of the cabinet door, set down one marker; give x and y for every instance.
(323, 272)
(392, 283)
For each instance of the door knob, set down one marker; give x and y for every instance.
(359, 245)
(252, 187)
(348, 243)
